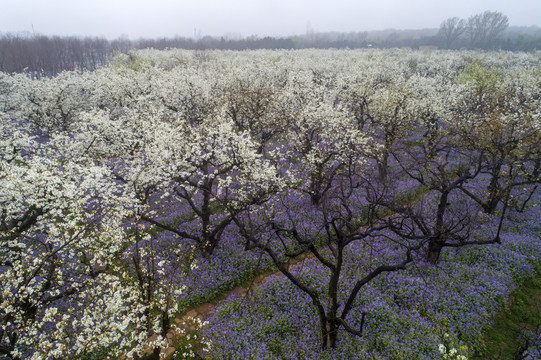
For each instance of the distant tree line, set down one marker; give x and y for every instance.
(478, 31)
(44, 55)
(49, 55)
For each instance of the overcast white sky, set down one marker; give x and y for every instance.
(167, 18)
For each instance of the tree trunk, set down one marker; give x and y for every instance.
(494, 196)
(208, 243)
(315, 198)
(331, 332)
(383, 165)
(207, 246)
(494, 189)
(434, 251)
(436, 242)
(165, 323)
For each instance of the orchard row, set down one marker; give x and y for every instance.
(148, 186)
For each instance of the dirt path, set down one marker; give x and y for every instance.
(193, 318)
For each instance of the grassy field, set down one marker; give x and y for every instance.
(507, 339)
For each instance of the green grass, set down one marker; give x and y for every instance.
(503, 339)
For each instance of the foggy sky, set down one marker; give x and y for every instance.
(196, 18)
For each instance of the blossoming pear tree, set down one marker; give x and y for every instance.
(60, 220)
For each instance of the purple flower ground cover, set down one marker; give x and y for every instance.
(229, 266)
(409, 313)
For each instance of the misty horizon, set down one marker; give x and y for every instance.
(241, 19)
